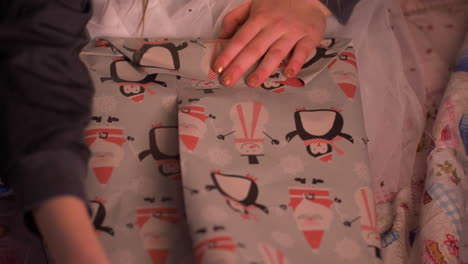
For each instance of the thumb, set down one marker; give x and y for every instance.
(234, 19)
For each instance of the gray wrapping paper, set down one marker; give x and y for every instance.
(184, 170)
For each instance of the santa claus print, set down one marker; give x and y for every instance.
(319, 130)
(240, 193)
(312, 212)
(192, 125)
(164, 149)
(249, 119)
(133, 82)
(214, 245)
(105, 141)
(344, 71)
(158, 225)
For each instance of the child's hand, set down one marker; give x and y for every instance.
(273, 29)
(67, 232)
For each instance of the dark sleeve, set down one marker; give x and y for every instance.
(341, 9)
(46, 95)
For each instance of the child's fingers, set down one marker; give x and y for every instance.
(234, 19)
(248, 56)
(278, 51)
(301, 52)
(304, 22)
(239, 42)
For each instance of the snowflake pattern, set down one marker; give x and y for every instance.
(361, 170)
(104, 105)
(219, 156)
(319, 95)
(169, 103)
(283, 239)
(214, 213)
(292, 165)
(277, 211)
(124, 257)
(135, 185)
(347, 249)
(247, 94)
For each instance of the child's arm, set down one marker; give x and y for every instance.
(67, 231)
(45, 106)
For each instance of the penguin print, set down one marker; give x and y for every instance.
(158, 54)
(319, 130)
(240, 192)
(133, 82)
(249, 119)
(99, 216)
(274, 84)
(164, 149)
(321, 52)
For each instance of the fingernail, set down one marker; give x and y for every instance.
(227, 79)
(253, 79)
(219, 68)
(289, 73)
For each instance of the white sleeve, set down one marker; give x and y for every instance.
(163, 18)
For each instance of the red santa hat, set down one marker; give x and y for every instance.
(165, 214)
(194, 111)
(320, 196)
(114, 135)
